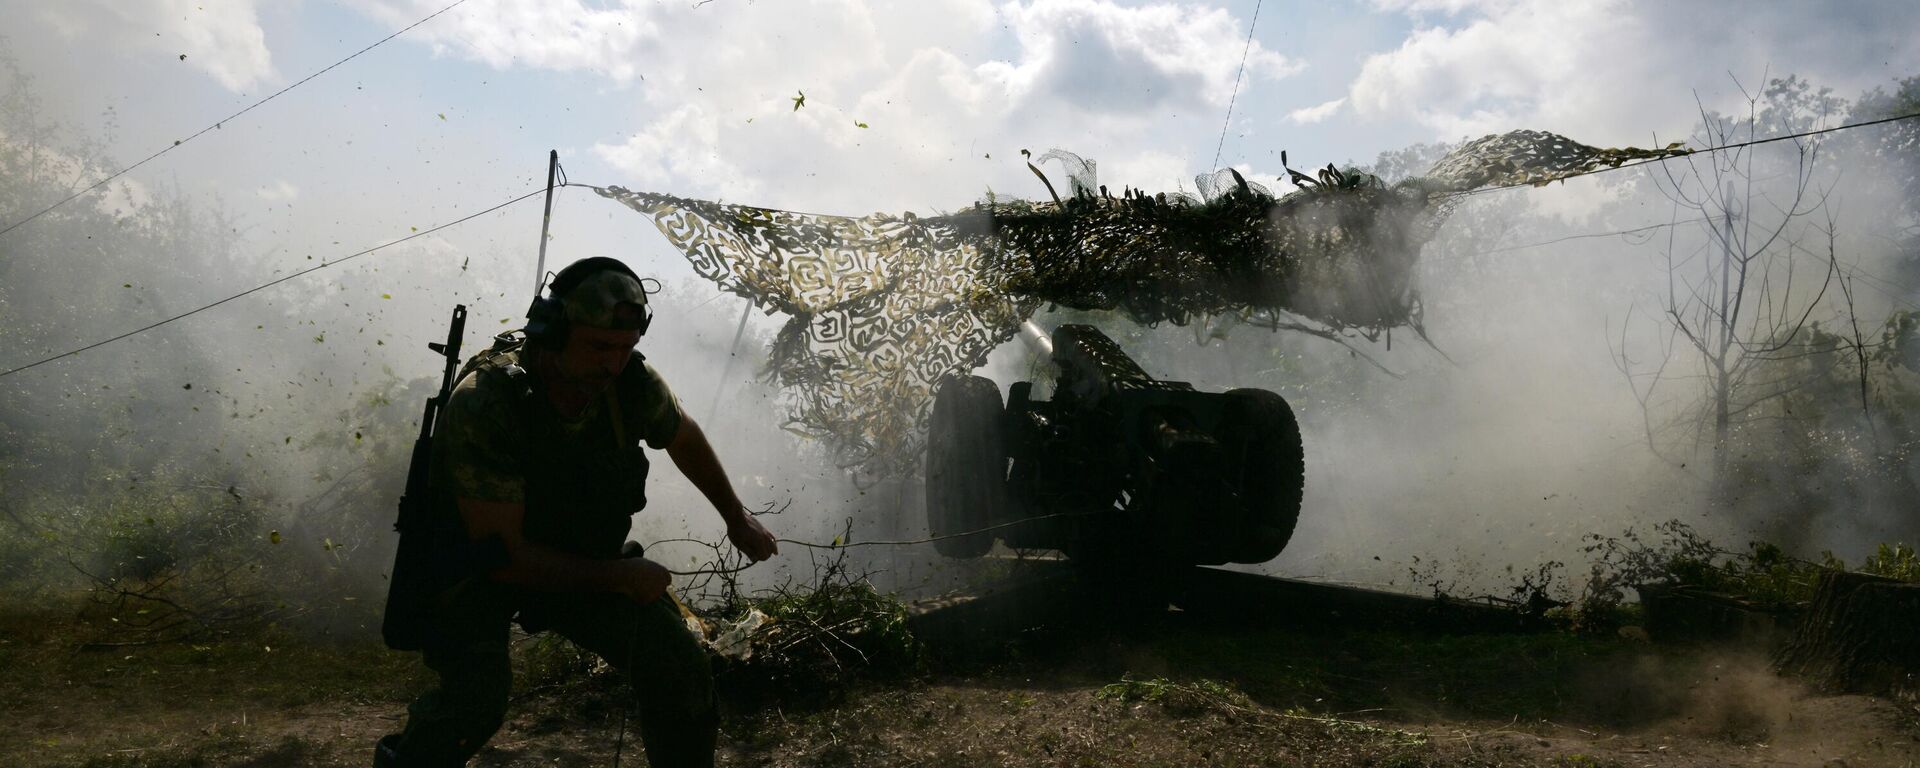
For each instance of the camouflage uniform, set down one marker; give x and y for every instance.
(581, 479)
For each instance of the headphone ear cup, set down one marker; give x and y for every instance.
(547, 323)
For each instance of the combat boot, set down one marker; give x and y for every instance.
(386, 754)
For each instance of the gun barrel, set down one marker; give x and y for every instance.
(1036, 338)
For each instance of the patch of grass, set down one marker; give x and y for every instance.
(271, 666)
(1484, 675)
(221, 748)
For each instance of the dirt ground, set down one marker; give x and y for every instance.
(1085, 688)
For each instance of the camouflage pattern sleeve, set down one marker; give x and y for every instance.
(655, 408)
(480, 443)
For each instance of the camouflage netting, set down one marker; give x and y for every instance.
(882, 307)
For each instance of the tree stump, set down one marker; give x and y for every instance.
(1861, 635)
(1688, 614)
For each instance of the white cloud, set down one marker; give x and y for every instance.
(950, 89)
(564, 35)
(1615, 71)
(1103, 56)
(680, 151)
(1316, 113)
(1438, 6)
(221, 38)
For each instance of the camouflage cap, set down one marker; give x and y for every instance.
(596, 301)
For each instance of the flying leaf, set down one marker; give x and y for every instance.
(860, 124)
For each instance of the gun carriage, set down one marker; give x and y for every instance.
(1141, 467)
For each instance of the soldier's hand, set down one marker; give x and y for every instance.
(752, 538)
(645, 580)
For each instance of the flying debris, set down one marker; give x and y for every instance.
(882, 307)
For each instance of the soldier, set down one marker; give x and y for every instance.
(538, 454)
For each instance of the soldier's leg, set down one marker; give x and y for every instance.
(672, 680)
(452, 722)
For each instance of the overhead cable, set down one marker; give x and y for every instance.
(1236, 83)
(269, 284)
(1705, 150)
(216, 125)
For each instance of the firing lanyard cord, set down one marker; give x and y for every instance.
(849, 544)
(626, 705)
(633, 636)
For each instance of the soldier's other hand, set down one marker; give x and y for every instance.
(645, 580)
(752, 538)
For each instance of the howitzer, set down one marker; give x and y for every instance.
(416, 575)
(1144, 470)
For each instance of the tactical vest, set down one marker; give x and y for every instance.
(584, 482)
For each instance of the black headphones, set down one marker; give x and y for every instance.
(547, 326)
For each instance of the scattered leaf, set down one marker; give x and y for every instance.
(800, 100)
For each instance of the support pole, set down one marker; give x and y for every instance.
(733, 352)
(546, 220)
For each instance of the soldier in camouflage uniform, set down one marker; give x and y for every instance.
(539, 449)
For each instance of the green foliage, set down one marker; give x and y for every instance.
(1179, 699)
(158, 561)
(1677, 555)
(838, 625)
(548, 659)
(1895, 561)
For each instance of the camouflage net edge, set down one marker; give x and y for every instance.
(882, 307)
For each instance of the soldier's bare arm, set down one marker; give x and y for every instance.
(695, 458)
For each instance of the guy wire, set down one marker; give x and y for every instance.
(263, 286)
(217, 124)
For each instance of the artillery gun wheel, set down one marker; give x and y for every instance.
(966, 464)
(1272, 472)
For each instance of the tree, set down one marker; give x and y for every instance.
(1744, 292)
(1762, 358)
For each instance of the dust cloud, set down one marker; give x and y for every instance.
(1503, 443)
